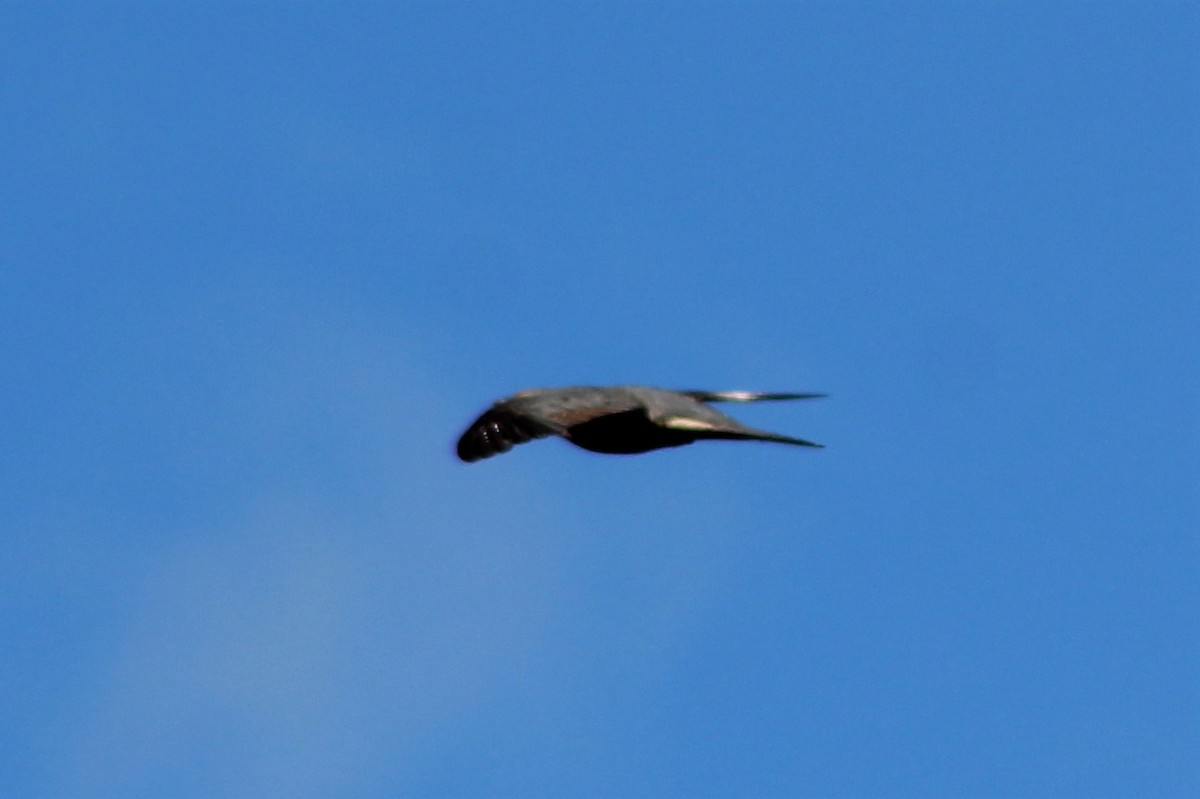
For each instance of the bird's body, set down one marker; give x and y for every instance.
(615, 419)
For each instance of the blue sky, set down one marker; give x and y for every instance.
(262, 263)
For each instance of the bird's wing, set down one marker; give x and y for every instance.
(498, 430)
(707, 422)
(730, 429)
(745, 396)
(540, 413)
(574, 406)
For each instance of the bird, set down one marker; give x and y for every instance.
(619, 420)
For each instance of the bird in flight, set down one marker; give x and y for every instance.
(614, 419)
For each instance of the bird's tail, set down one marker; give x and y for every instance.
(496, 431)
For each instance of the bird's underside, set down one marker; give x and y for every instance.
(616, 420)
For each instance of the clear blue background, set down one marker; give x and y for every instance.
(262, 263)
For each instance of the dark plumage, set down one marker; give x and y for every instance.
(616, 419)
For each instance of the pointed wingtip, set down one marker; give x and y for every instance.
(750, 396)
(802, 442)
(807, 395)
